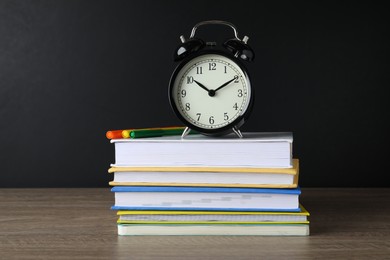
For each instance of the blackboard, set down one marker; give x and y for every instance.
(71, 70)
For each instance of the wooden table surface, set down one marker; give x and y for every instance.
(78, 224)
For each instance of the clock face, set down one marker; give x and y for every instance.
(210, 92)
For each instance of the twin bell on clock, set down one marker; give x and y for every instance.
(210, 90)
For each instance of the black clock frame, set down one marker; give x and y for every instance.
(238, 122)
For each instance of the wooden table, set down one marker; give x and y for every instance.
(78, 224)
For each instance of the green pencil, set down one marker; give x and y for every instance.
(155, 132)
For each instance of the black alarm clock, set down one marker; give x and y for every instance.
(210, 90)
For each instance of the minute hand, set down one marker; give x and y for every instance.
(225, 84)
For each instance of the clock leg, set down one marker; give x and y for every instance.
(237, 132)
(186, 131)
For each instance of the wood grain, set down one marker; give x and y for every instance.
(78, 224)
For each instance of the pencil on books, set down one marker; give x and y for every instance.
(128, 132)
(155, 132)
(119, 134)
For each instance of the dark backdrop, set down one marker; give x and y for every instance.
(71, 70)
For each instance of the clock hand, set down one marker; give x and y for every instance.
(225, 84)
(202, 86)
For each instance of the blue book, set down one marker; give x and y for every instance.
(205, 198)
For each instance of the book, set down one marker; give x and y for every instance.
(205, 198)
(215, 217)
(207, 176)
(211, 229)
(255, 149)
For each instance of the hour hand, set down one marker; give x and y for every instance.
(202, 86)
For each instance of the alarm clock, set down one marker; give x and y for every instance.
(210, 90)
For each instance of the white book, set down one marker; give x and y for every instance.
(259, 149)
(214, 229)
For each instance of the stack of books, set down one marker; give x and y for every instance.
(200, 185)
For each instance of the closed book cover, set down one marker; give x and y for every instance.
(207, 176)
(204, 198)
(216, 217)
(255, 149)
(214, 229)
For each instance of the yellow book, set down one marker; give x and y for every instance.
(207, 176)
(214, 217)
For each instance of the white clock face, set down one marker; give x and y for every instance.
(211, 91)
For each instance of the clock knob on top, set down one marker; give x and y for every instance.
(240, 48)
(187, 47)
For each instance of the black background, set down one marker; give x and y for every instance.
(71, 70)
